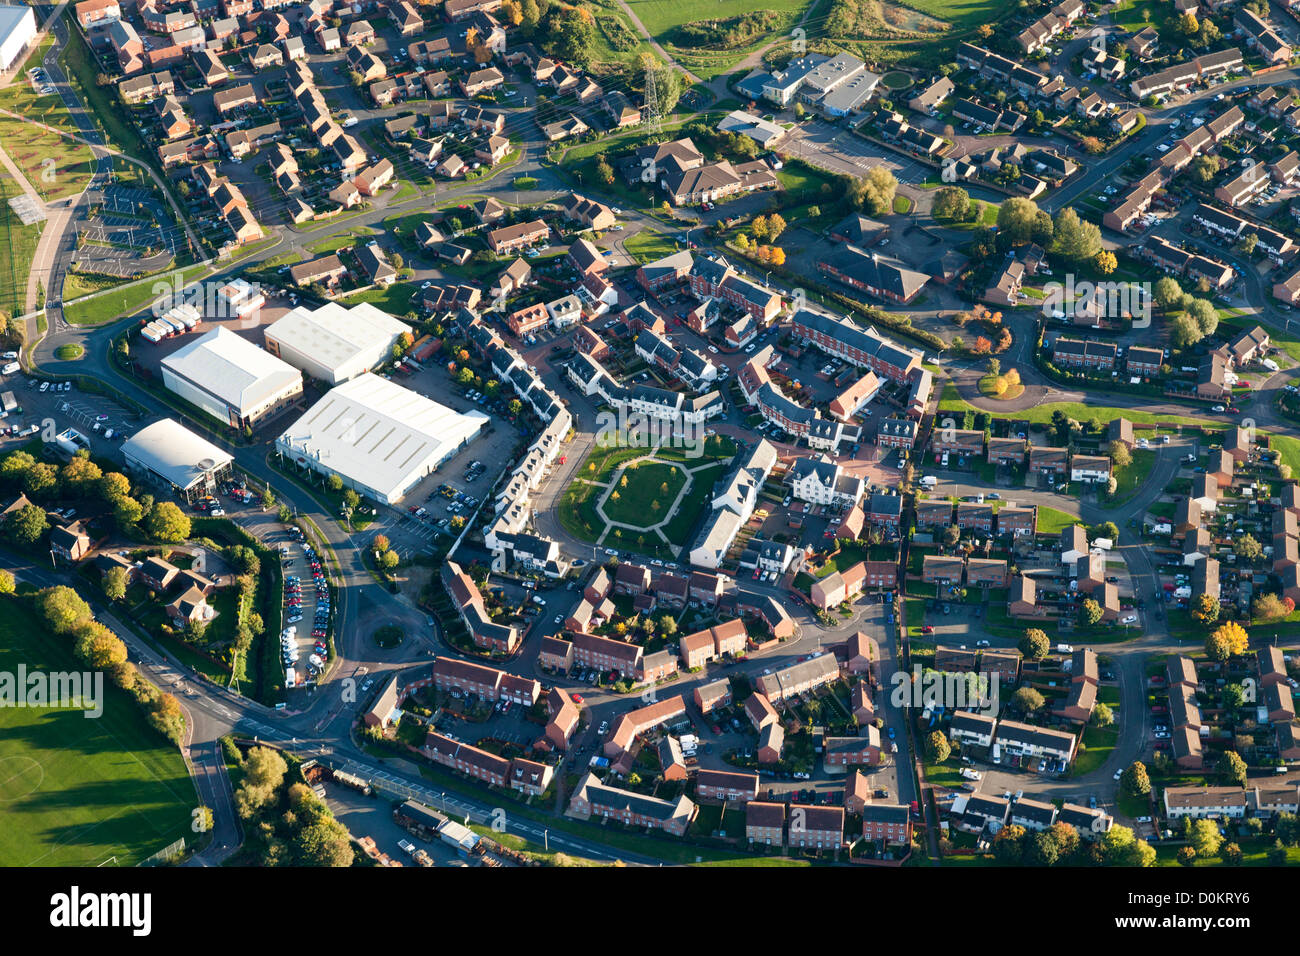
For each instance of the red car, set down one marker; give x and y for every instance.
(577, 698)
(927, 629)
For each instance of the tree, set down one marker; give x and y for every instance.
(1106, 263)
(166, 522)
(1234, 695)
(7, 583)
(62, 609)
(14, 466)
(1090, 612)
(515, 406)
(41, 479)
(1269, 607)
(323, 843)
(389, 560)
(26, 525)
(1120, 456)
(1228, 639)
(1231, 854)
(1027, 700)
(351, 500)
(127, 512)
(1168, 295)
(937, 748)
(98, 647)
(569, 33)
(1102, 715)
(1247, 548)
(1017, 219)
(167, 718)
(1232, 769)
(1135, 781)
(1043, 849)
(114, 583)
(874, 192)
(380, 543)
(1186, 855)
(334, 483)
(1206, 316)
(950, 204)
(1277, 855)
(1035, 644)
(80, 475)
(1184, 332)
(1204, 837)
(1073, 238)
(1009, 845)
(1205, 609)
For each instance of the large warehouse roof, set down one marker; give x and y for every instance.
(169, 449)
(378, 434)
(333, 335)
(232, 369)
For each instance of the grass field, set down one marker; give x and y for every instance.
(1053, 521)
(129, 299)
(1129, 480)
(651, 487)
(648, 245)
(76, 791)
(17, 249)
(56, 167)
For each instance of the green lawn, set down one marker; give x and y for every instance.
(18, 247)
(1099, 743)
(1054, 521)
(395, 300)
(1129, 480)
(76, 791)
(128, 299)
(1289, 449)
(648, 245)
(644, 491)
(55, 166)
(1042, 414)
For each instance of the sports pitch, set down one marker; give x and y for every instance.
(76, 791)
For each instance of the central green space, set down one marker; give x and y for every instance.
(577, 508)
(78, 791)
(644, 493)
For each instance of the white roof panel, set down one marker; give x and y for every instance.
(379, 434)
(233, 369)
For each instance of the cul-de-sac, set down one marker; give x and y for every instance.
(626, 433)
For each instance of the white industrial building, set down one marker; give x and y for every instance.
(333, 343)
(17, 31)
(173, 457)
(231, 379)
(379, 437)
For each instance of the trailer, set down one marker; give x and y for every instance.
(151, 333)
(351, 781)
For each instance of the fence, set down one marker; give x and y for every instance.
(166, 854)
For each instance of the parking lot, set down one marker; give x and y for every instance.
(836, 148)
(306, 605)
(94, 416)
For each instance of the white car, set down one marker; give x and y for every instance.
(1218, 408)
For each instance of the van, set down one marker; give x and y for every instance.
(10, 368)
